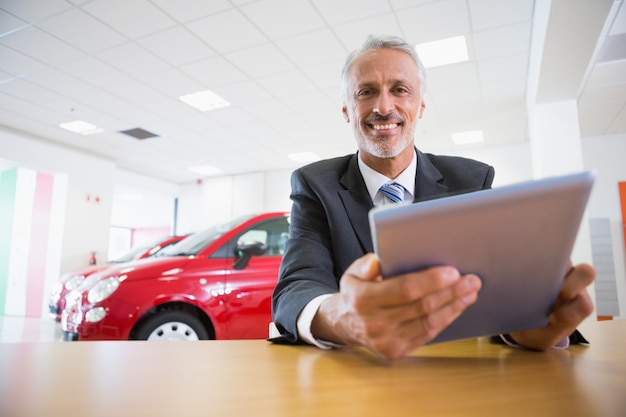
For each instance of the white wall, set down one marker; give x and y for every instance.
(89, 192)
(219, 199)
(605, 155)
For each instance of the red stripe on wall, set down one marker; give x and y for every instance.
(37, 252)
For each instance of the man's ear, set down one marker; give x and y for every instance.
(344, 110)
(420, 112)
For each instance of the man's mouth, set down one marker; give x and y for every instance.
(385, 126)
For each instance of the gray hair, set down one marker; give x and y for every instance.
(379, 42)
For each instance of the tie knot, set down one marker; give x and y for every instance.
(393, 191)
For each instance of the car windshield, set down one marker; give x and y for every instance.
(130, 255)
(195, 243)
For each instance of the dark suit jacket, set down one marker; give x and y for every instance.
(330, 229)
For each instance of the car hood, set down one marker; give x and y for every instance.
(85, 271)
(141, 269)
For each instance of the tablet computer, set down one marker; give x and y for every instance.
(518, 239)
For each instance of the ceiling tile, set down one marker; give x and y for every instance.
(137, 18)
(133, 60)
(505, 41)
(242, 93)
(214, 71)
(282, 18)
(10, 23)
(28, 91)
(260, 60)
(93, 71)
(326, 76)
(227, 31)
(173, 83)
(34, 12)
(81, 30)
(335, 12)
(41, 46)
(450, 77)
(287, 83)
(135, 92)
(353, 34)
(433, 21)
(501, 69)
(177, 46)
(487, 14)
(187, 10)
(16, 63)
(312, 48)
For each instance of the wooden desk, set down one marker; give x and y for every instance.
(255, 378)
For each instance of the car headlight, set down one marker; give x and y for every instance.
(95, 314)
(74, 282)
(103, 289)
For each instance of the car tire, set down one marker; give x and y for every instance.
(171, 325)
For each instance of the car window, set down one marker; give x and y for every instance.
(196, 242)
(273, 233)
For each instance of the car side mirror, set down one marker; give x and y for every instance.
(247, 250)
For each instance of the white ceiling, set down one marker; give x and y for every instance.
(122, 64)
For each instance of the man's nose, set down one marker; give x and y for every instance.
(384, 104)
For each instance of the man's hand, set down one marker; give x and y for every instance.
(572, 306)
(393, 317)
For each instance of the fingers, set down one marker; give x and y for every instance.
(577, 279)
(395, 316)
(573, 305)
(404, 288)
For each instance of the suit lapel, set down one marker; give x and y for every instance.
(427, 179)
(357, 203)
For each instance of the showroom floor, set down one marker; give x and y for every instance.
(15, 329)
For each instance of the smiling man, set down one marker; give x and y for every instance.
(330, 291)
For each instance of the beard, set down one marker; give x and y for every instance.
(383, 146)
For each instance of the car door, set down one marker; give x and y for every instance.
(251, 281)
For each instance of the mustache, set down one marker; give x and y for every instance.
(383, 118)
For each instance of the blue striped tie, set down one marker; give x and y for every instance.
(393, 191)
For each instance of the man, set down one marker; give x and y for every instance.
(330, 291)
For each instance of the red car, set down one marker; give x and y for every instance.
(72, 280)
(215, 284)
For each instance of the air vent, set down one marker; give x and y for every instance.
(138, 133)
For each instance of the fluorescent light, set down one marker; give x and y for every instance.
(204, 100)
(464, 138)
(205, 170)
(303, 157)
(79, 126)
(443, 52)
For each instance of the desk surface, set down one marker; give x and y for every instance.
(254, 378)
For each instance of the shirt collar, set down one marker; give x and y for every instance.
(374, 179)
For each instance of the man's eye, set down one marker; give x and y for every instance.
(362, 93)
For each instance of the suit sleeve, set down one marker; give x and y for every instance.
(307, 267)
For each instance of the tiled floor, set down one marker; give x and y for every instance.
(14, 329)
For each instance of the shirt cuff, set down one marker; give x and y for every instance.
(508, 340)
(306, 318)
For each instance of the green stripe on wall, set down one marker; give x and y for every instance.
(8, 181)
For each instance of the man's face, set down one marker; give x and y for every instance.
(383, 102)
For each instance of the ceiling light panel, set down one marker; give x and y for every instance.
(443, 52)
(204, 100)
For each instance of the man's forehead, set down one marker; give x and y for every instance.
(393, 64)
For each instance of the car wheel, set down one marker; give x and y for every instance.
(172, 326)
